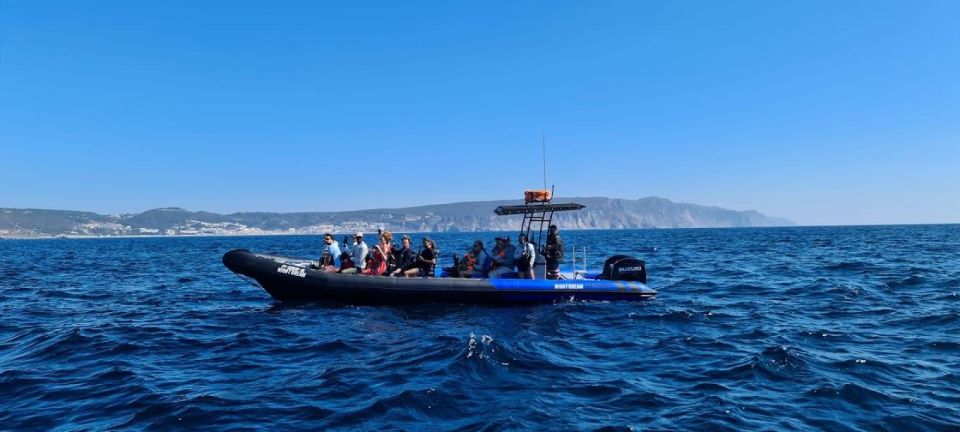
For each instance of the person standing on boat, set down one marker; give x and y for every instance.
(553, 253)
(330, 259)
(426, 260)
(502, 258)
(525, 256)
(358, 253)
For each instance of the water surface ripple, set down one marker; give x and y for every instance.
(819, 328)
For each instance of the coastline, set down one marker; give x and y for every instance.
(128, 236)
(283, 233)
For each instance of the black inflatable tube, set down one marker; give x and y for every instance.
(287, 279)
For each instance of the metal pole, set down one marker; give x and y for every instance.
(574, 262)
(543, 141)
(584, 258)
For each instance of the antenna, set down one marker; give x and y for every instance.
(543, 142)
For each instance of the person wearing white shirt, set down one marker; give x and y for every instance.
(358, 253)
(525, 257)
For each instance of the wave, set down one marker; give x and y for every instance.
(858, 395)
(853, 266)
(910, 281)
(942, 345)
(927, 321)
(803, 328)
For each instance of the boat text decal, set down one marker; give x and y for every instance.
(292, 270)
(568, 286)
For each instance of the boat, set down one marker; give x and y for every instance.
(297, 279)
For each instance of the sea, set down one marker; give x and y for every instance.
(853, 328)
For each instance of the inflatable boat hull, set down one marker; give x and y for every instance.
(289, 279)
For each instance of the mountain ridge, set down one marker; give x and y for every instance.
(600, 213)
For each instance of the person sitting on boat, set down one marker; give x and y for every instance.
(346, 262)
(502, 258)
(392, 259)
(553, 252)
(377, 264)
(330, 258)
(426, 260)
(475, 262)
(358, 253)
(405, 256)
(525, 256)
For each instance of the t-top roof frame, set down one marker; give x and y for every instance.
(536, 208)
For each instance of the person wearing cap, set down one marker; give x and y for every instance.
(525, 256)
(358, 253)
(503, 261)
(406, 257)
(553, 253)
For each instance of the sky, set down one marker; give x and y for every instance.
(822, 112)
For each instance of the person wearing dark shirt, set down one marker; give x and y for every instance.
(553, 253)
(405, 256)
(426, 260)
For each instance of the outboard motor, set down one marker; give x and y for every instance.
(625, 268)
(608, 265)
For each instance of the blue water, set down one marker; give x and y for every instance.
(837, 328)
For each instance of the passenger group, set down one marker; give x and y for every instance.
(386, 259)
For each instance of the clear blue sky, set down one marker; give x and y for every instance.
(822, 112)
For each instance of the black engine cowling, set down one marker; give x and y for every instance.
(625, 268)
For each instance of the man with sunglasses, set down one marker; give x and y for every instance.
(330, 258)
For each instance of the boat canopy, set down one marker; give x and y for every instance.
(536, 208)
(536, 214)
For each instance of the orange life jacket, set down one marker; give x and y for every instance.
(501, 254)
(469, 261)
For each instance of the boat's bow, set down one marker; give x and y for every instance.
(234, 260)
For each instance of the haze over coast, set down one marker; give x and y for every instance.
(600, 213)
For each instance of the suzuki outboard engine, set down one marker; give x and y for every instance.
(624, 268)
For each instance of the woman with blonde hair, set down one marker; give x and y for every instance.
(378, 262)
